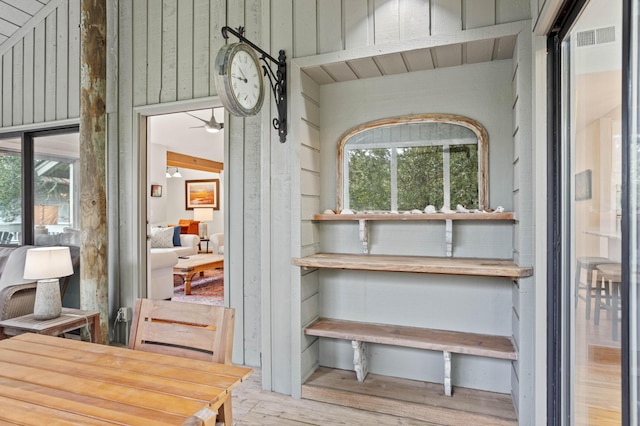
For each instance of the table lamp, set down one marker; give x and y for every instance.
(203, 215)
(47, 265)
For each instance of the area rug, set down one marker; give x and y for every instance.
(207, 289)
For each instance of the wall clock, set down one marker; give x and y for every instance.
(238, 79)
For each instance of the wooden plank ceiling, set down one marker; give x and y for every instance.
(15, 13)
(414, 60)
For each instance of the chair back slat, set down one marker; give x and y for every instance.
(183, 329)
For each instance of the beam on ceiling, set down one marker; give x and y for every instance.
(188, 162)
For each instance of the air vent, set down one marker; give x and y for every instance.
(597, 36)
(586, 38)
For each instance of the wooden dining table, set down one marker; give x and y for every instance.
(47, 380)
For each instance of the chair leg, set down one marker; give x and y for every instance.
(224, 412)
(591, 281)
(615, 287)
(596, 315)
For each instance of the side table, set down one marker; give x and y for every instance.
(70, 319)
(204, 240)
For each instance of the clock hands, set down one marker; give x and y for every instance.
(243, 78)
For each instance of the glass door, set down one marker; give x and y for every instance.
(591, 242)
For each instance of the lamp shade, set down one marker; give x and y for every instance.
(47, 262)
(202, 214)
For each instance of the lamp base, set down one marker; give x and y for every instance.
(48, 304)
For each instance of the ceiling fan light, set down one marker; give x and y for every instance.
(212, 129)
(167, 174)
(177, 174)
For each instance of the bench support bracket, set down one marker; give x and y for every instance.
(447, 372)
(363, 229)
(448, 236)
(359, 359)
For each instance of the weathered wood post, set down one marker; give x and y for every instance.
(93, 202)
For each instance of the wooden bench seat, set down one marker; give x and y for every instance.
(413, 337)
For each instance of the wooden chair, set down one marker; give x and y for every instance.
(188, 330)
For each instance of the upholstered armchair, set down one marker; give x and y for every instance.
(217, 243)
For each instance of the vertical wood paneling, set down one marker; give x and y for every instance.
(185, 50)
(218, 18)
(38, 73)
(446, 16)
(329, 26)
(154, 53)
(201, 69)
(283, 207)
(62, 65)
(18, 64)
(414, 19)
(479, 13)
(74, 60)
(51, 78)
(386, 21)
(356, 24)
(141, 49)
(27, 79)
(169, 50)
(512, 10)
(7, 88)
(304, 28)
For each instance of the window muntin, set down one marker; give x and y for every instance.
(408, 162)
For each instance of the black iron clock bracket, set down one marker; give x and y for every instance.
(277, 80)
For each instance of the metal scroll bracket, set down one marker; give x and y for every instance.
(277, 80)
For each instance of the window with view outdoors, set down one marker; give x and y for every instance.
(409, 162)
(53, 198)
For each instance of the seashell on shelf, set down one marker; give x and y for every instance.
(430, 209)
(416, 211)
(499, 209)
(347, 211)
(328, 211)
(461, 209)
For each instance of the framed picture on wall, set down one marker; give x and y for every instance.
(583, 185)
(202, 193)
(156, 190)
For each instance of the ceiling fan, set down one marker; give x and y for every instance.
(211, 125)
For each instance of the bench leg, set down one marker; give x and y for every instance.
(359, 359)
(447, 373)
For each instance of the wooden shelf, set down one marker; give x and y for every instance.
(418, 264)
(407, 216)
(364, 220)
(415, 337)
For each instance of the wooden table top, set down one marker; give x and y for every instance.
(49, 380)
(200, 260)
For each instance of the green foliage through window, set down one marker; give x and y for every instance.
(410, 162)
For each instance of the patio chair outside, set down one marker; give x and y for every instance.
(188, 330)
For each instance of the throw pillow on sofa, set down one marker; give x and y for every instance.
(176, 236)
(162, 237)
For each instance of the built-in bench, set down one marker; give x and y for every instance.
(413, 337)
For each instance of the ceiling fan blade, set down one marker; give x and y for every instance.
(201, 119)
(196, 127)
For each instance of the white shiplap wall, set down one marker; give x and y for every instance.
(40, 72)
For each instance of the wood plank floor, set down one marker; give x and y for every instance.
(253, 406)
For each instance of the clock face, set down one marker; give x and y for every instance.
(239, 80)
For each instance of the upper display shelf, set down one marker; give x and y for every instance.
(417, 216)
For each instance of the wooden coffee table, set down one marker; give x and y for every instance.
(197, 263)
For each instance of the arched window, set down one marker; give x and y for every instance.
(408, 162)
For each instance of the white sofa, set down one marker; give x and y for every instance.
(161, 262)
